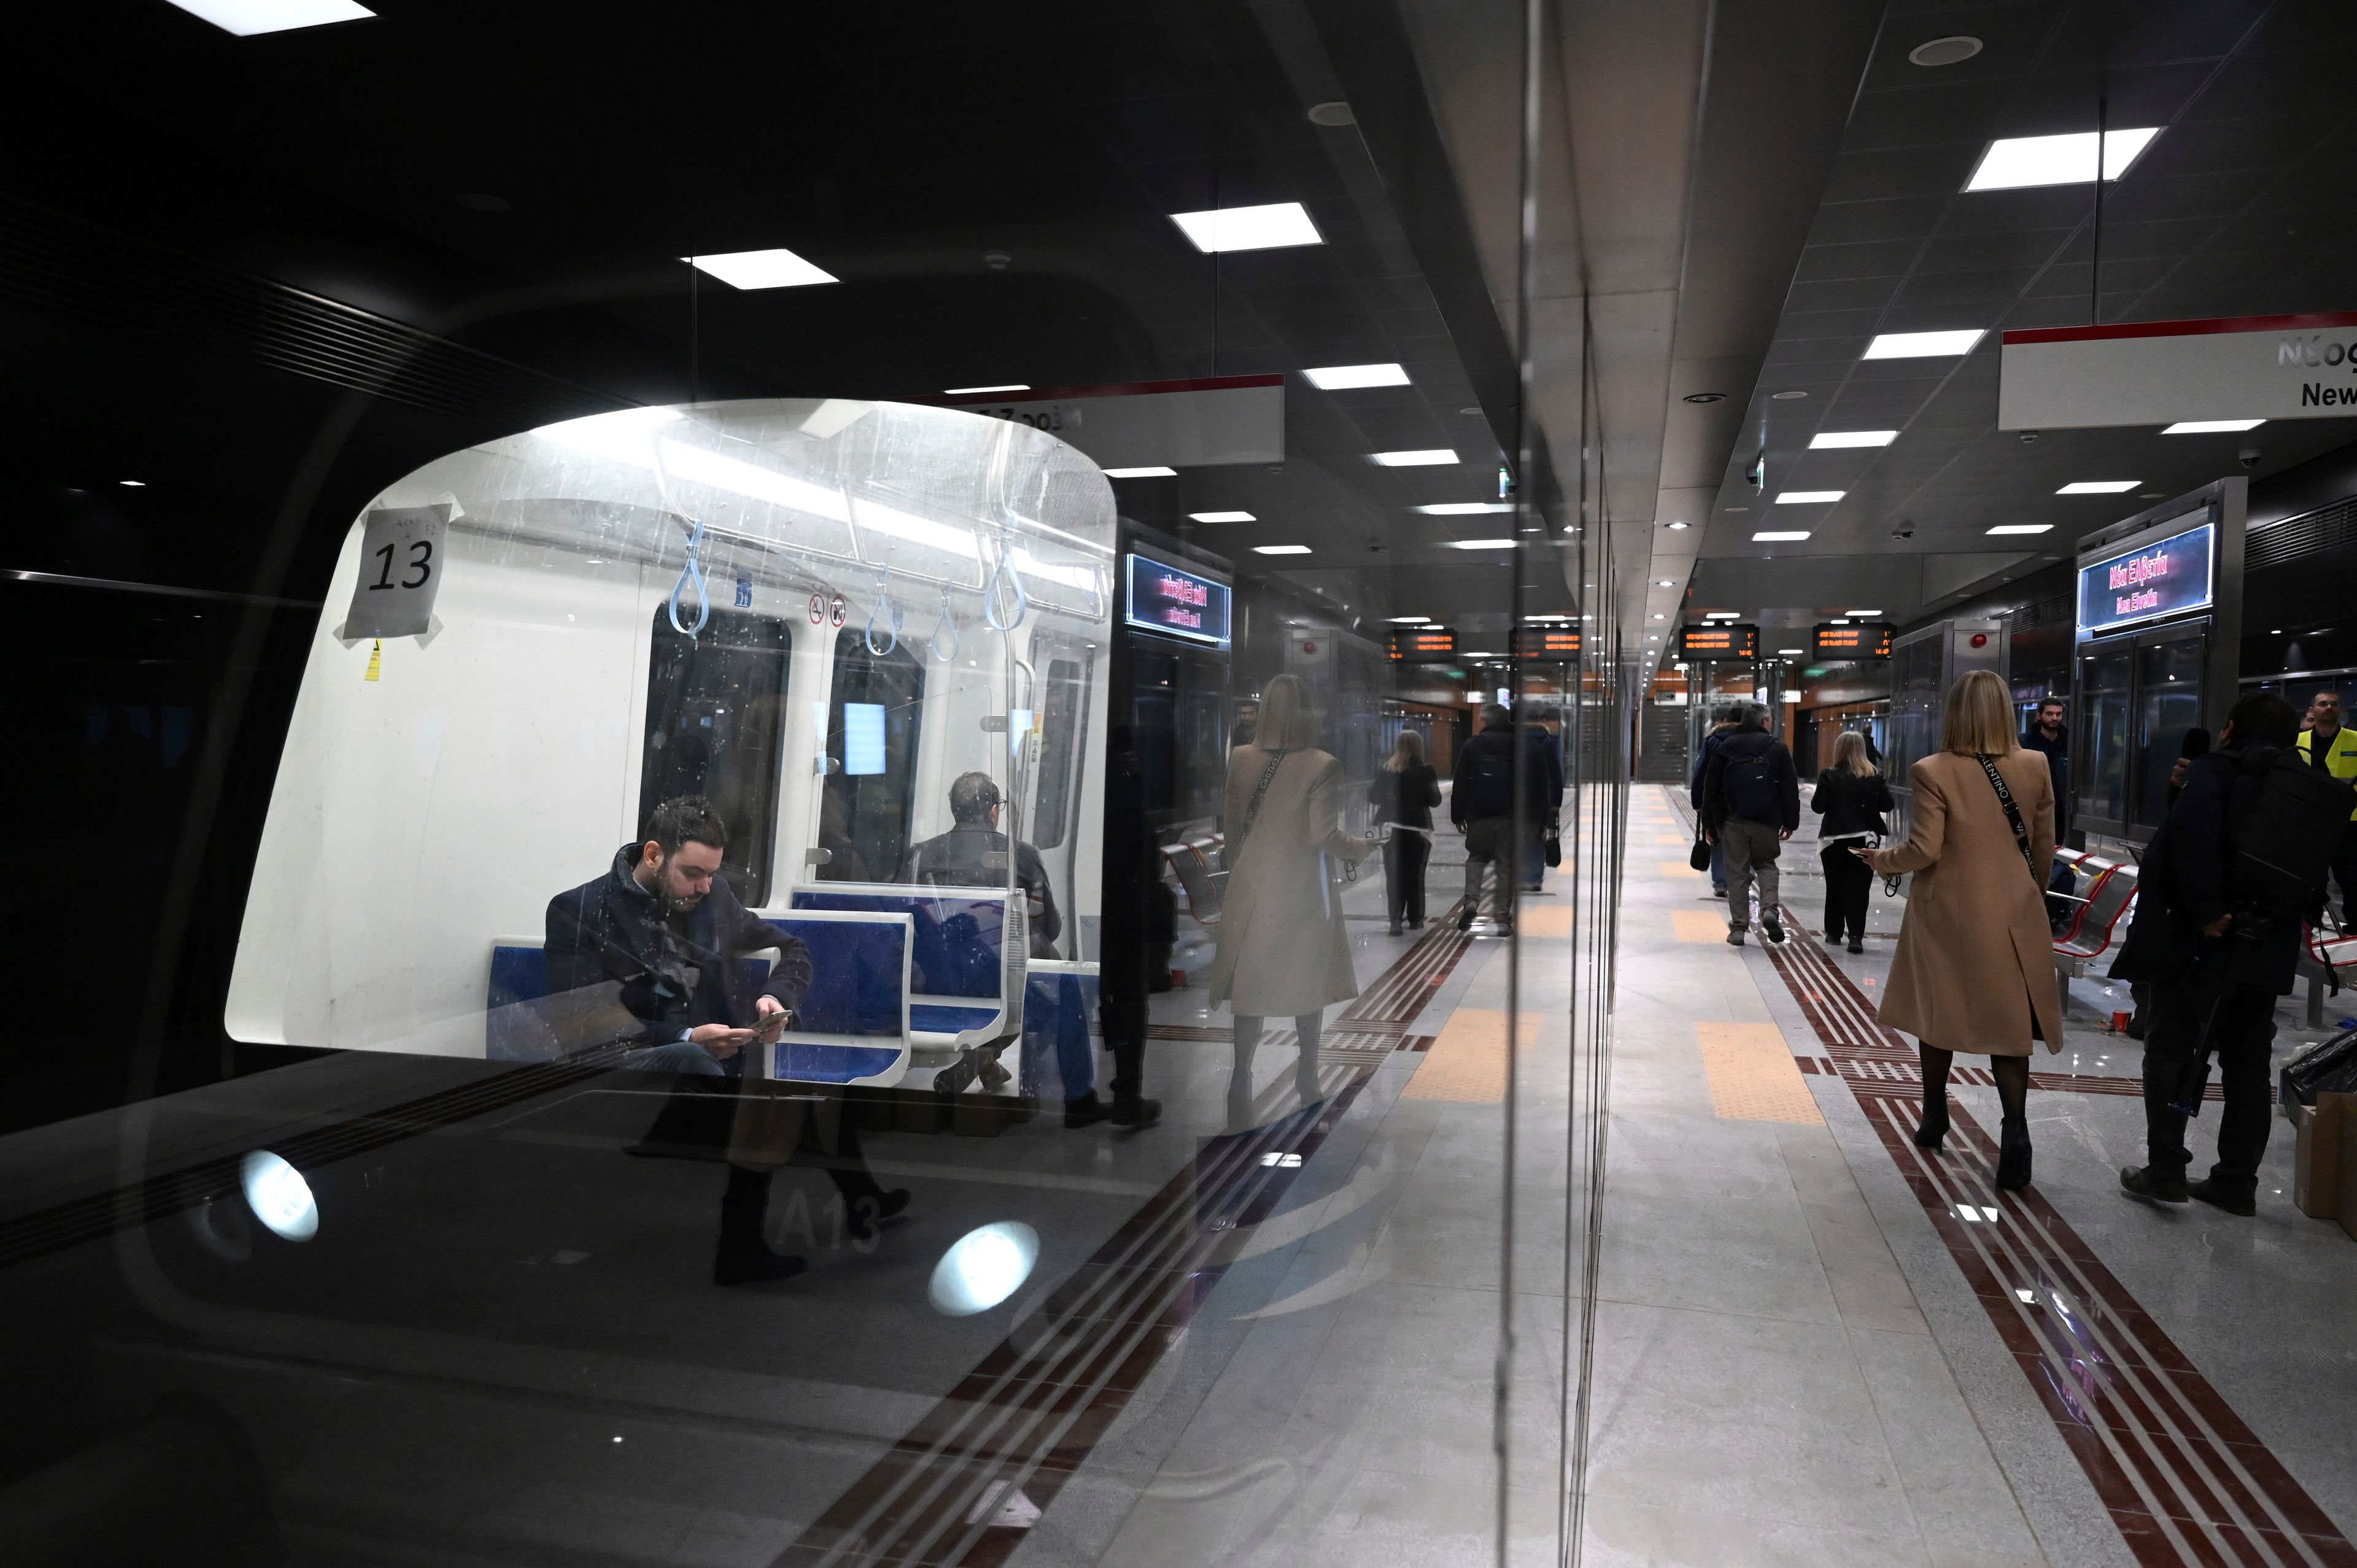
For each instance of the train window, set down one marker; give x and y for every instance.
(1060, 727)
(712, 707)
(866, 811)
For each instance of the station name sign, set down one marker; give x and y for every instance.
(1423, 645)
(1850, 640)
(1720, 640)
(1163, 598)
(2165, 373)
(2164, 579)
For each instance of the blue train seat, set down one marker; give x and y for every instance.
(962, 969)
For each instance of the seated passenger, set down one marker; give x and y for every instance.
(974, 855)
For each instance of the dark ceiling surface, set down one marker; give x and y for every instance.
(993, 187)
(2239, 207)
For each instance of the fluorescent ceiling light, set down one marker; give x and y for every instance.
(248, 17)
(1772, 536)
(966, 391)
(2022, 528)
(1152, 471)
(1658, 616)
(2210, 426)
(1663, 583)
(694, 462)
(135, 484)
(1793, 650)
(1922, 345)
(759, 269)
(1825, 438)
(2070, 160)
(1280, 549)
(1676, 525)
(1248, 228)
(1222, 516)
(1861, 612)
(1464, 508)
(1480, 543)
(1809, 498)
(1425, 457)
(1722, 615)
(1342, 378)
(2097, 487)
(1411, 620)
(922, 531)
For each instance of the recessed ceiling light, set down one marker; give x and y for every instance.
(1792, 651)
(1280, 549)
(1423, 457)
(1248, 228)
(968, 391)
(1949, 51)
(2022, 528)
(2097, 487)
(2210, 426)
(1722, 615)
(1342, 378)
(1153, 471)
(1774, 536)
(2275, 631)
(2016, 162)
(1678, 525)
(1663, 583)
(1705, 397)
(248, 17)
(1480, 543)
(1652, 637)
(1825, 438)
(1411, 620)
(1464, 508)
(1793, 396)
(135, 484)
(1659, 616)
(1222, 516)
(760, 269)
(1923, 344)
(1861, 612)
(1809, 498)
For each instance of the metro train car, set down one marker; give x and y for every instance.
(816, 613)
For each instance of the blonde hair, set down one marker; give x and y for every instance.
(1979, 717)
(1406, 752)
(1287, 722)
(1850, 754)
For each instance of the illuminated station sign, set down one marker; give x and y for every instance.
(1423, 645)
(1719, 640)
(2164, 579)
(1543, 641)
(1175, 603)
(1836, 641)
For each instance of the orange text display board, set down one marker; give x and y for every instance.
(1720, 641)
(1850, 641)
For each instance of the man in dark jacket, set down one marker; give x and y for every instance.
(972, 854)
(1543, 734)
(1482, 804)
(2047, 735)
(1750, 804)
(2214, 972)
(1722, 724)
(1132, 881)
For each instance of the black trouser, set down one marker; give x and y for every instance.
(1849, 884)
(1405, 854)
(2202, 1012)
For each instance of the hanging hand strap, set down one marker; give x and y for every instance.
(692, 572)
(2013, 815)
(1260, 792)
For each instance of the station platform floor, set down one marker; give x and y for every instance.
(1276, 1346)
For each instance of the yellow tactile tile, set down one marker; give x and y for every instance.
(1468, 1063)
(1698, 925)
(1753, 1075)
(1671, 838)
(1543, 920)
(1679, 868)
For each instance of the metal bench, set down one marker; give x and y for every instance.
(1196, 863)
(2110, 892)
(2324, 954)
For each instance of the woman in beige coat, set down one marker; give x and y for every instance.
(1281, 946)
(1975, 970)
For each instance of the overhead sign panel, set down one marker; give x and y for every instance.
(1177, 603)
(1205, 422)
(1424, 644)
(1543, 642)
(2162, 372)
(1719, 640)
(1850, 640)
(2164, 579)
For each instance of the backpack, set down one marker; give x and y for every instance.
(2284, 824)
(1751, 792)
(1490, 778)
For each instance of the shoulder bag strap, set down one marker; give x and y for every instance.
(1260, 792)
(2013, 815)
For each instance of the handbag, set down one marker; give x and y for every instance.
(1698, 857)
(1553, 845)
(2013, 815)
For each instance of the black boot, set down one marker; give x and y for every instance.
(2013, 1154)
(2153, 1184)
(1131, 1109)
(2219, 1195)
(1935, 1127)
(744, 1257)
(1085, 1112)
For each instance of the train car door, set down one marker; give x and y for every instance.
(715, 727)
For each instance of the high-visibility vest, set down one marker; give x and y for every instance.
(2340, 757)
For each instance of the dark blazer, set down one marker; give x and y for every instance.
(676, 972)
(1408, 796)
(974, 855)
(1742, 742)
(1710, 744)
(1851, 802)
(2182, 887)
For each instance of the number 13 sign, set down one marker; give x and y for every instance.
(400, 571)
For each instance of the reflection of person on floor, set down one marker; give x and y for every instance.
(1281, 944)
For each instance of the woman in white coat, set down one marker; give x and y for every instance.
(1281, 944)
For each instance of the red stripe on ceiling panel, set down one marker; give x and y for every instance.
(2322, 322)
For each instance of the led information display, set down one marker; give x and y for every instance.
(2163, 579)
(1177, 604)
(1720, 640)
(1423, 644)
(1543, 642)
(1850, 641)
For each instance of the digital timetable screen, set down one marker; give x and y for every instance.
(1423, 644)
(1851, 641)
(1718, 641)
(1544, 642)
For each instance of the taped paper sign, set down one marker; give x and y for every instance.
(400, 571)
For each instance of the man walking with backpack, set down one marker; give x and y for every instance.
(1482, 804)
(2226, 881)
(1750, 804)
